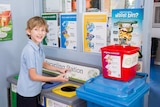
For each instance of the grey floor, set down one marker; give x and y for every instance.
(154, 96)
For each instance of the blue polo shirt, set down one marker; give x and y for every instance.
(32, 57)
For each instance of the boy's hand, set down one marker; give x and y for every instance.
(63, 70)
(62, 78)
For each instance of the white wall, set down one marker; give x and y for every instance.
(10, 50)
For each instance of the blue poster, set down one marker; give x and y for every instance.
(68, 30)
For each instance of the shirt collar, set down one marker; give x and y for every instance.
(35, 46)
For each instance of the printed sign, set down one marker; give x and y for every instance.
(68, 30)
(127, 27)
(5, 22)
(51, 39)
(94, 31)
(77, 72)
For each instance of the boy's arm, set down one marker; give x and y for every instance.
(52, 68)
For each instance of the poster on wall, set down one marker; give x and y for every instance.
(68, 31)
(51, 38)
(94, 31)
(127, 27)
(5, 22)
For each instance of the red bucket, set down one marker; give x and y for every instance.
(119, 62)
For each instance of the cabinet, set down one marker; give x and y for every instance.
(95, 58)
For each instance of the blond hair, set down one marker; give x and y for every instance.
(36, 21)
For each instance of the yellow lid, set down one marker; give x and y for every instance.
(66, 90)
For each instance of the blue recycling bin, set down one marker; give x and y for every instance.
(50, 84)
(45, 86)
(103, 92)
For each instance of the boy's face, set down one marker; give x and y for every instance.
(37, 34)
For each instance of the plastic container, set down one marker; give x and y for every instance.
(50, 84)
(53, 99)
(104, 92)
(119, 62)
(13, 91)
(141, 75)
(13, 80)
(47, 85)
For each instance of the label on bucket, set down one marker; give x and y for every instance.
(130, 60)
(113, 65)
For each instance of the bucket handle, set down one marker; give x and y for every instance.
(140, 54)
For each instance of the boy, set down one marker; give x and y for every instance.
(32, 60)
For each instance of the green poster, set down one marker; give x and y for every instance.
(5, 22)
(51, 38)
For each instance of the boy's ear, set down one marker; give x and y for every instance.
(28, 31)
